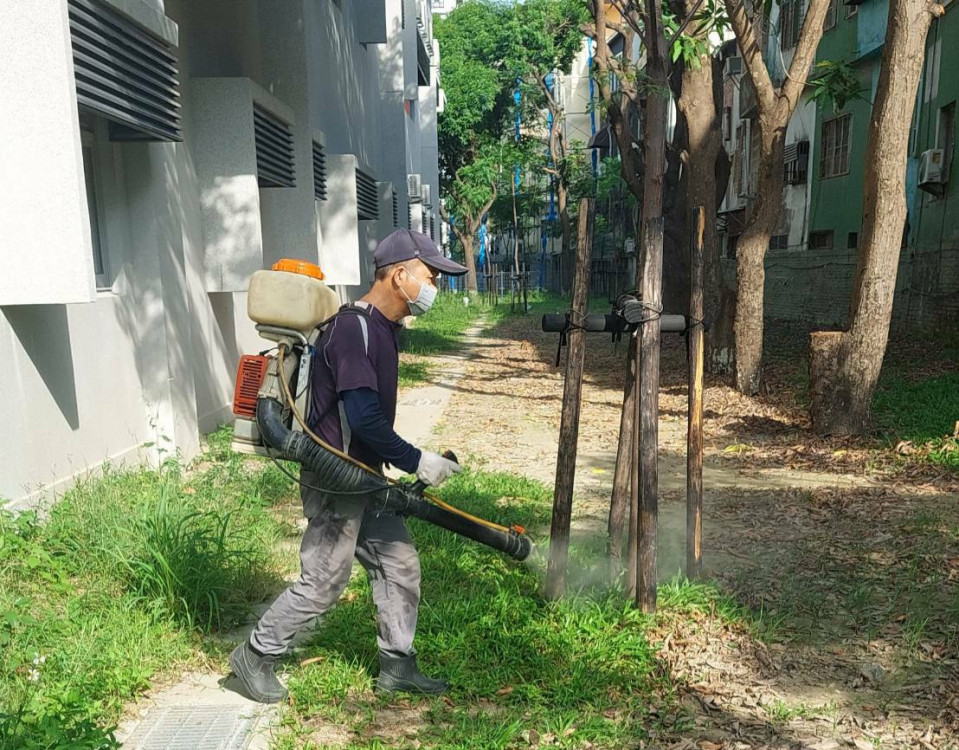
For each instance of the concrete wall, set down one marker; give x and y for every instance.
(43, 210)
(146, 366)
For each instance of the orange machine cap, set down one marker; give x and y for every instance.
(291, 265)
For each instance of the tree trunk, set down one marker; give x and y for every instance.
(751, 257)
(845, 366)
(698, 106)
(775, 108)
(562, 205)
(619, 501)
(466, 240)
(569, 421)
(652, 288)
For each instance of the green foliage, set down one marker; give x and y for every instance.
(478, 89)
(546, 36)
(119, 584)
(693, 43)
(835, 83)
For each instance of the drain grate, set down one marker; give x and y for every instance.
(193, 727)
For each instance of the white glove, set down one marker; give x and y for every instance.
(434, 469)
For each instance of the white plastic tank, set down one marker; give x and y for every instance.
(291, 295)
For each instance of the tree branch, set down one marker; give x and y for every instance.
(805, 52)
(745, 30)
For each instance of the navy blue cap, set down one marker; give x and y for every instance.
(405, 244)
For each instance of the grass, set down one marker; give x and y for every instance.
(126, 580)
(577, 671)
(441, 329)
(923, 412)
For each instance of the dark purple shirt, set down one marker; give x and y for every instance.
(357, 350)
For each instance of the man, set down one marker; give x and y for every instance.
(353, 407)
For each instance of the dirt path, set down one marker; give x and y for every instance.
(850, 578)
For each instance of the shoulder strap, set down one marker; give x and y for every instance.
(361, 310)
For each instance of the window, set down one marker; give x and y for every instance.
(732, 243)
(741, 166)
(821, 240)
(830, 22)
(852, 240)
(779, 242)
(796, 163)
(274, 150)
(790, 22)
(727, 123)
(945, 137)
(367, 197)
(88, 141)
(124, 74)
(851, 10)
(835, 147)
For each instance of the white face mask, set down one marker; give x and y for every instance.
(424, 298)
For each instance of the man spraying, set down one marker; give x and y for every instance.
(353, 407)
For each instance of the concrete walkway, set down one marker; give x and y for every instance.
(208, 710)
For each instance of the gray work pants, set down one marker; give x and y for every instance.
(340, 528)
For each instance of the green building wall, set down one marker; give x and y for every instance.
(816, 285)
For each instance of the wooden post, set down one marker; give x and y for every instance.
(648, 389)
(654, 137)
(694, 434)
(569, 422)
(632, 557)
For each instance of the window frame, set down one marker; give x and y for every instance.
(829, 234)
(832, 13)
(847, 117)
(93, 181)
(946, 137)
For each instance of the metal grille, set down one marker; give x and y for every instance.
(274, 150)
(409, 216)
(396, 210)
(190, 727)
(796, 162)
(124, 74)
(319, 172)
(367, 203)
(423, 220)
(432, 227)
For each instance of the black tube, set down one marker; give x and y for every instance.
(338, 475)
(555, 322)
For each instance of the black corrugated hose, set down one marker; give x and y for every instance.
(338, 475)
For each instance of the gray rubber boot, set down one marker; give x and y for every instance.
(257, 675)
(399, 674)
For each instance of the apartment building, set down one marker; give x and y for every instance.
(154, 154)
(810, 265)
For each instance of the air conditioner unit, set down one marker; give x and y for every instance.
(425, 192)
(414, 187)
(734, 66)
(932, 172)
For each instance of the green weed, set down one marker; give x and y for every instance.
(923, 412)
(120, 584)
(572, 672)
(413, 373)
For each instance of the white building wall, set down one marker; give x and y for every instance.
(139, 372)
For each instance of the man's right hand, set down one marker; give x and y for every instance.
(434, 469)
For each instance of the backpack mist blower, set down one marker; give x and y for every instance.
(288, 304)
